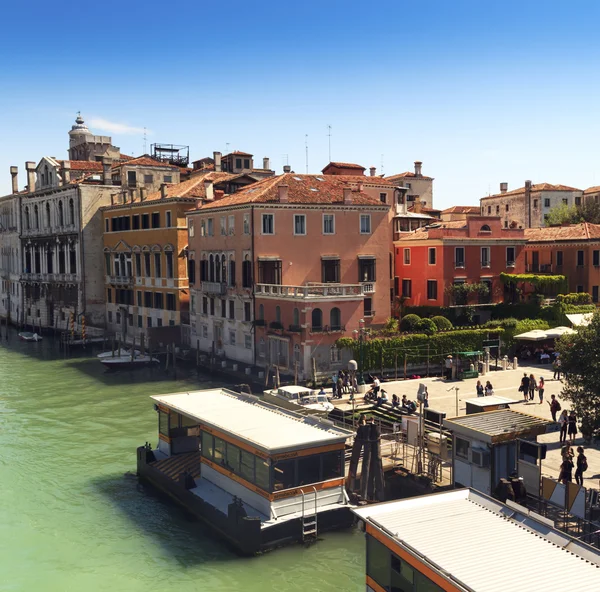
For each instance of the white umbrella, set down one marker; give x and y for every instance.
(534, 335)
(559, 332)
(581, 319)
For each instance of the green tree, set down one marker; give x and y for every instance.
(562, 214)
(580, 360)
(589, 211)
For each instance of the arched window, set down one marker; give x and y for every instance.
(224, 269)
(71, 212)
(246, 272)
(278, 314)
(217, 268)
(231, 271)
(45, 176)
(335, 319)
(203, 269)
(297, 353)
(261, 312)
(36, 217)
(296, 317)
(211, 269)
(27, 221)
(317, 319)
(47, 215)
(61, 215)
(261, 347)
(485, 228)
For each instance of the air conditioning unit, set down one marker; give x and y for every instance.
(480, 457)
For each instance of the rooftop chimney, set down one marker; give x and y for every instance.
(217, 159)
(528, 185)
(219, 194)
(347, 195)
(287, 168)
(30, 168)
(66, 172)
(14, 173)
(266, 163)
(209, 190)
(106, 164)
(503, 187)
(372, 171)
(163, 190)
(282, 191)
(418, 165)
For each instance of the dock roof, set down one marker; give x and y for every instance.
(498, 426)
(483, 545)
(245, 417)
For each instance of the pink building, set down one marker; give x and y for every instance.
(288, 266)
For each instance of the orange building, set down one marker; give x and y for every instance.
(145, 240)
(289, 265)
(572, 251)
(475, 251)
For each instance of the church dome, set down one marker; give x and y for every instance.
(79, 128)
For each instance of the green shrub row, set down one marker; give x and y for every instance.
(417, 347)
(576, 298)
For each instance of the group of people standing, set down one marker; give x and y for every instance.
(529, 385)
(484, 391)
(567, 465)
(343, 384)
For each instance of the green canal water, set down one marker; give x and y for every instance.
(72, 515)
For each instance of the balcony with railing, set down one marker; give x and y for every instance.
(120, 280)
(218, 288)
(49, 277)
(311, 291)
(542, 268)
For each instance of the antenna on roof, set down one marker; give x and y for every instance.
(285, 159)
(145, 140)
(227, 148)
(381, 170)
(329, 135)
(306, 149)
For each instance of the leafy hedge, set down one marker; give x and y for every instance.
(442, 323)
(416, 347)
(540, 282)
(577, 298)
(409, 322)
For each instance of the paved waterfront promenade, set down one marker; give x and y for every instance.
(442, 397)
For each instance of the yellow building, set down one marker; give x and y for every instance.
(145, 258)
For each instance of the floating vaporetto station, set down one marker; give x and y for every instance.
(259, 475)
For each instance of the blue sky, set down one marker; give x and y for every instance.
(480, 92)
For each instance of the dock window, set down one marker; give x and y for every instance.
(208, 447)
(309, 470)
(331, 465)
(462, 448)
(233, 458)
(219, 450)
(284, 474)
(163, 423)
(247, 465)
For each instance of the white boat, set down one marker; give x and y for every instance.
(299, 398)
(28, 336)
(118, 353)
(119, 362)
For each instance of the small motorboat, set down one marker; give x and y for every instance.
(28, 336)
(118, 353)
(127, 361)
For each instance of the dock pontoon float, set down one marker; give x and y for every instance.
(259, 475)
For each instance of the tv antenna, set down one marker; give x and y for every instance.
(381, 170)
(145, 140)
(329, 137)
(306, 150)
(227, 148)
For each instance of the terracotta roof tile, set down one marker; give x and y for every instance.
(145, 160)
(302, 189)
(238, 153)
(193, 187)
(345, 165)
(572, 232)
(462, 210)
(594, 189)
(409, 175)
(83, 165)
(534, 188)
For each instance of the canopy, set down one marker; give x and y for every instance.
(580, 320)
(535, 335)
(470, 353)
(559, 332)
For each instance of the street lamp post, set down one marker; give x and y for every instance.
(361, 351)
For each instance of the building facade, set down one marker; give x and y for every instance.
(528, 207)
(10, 253)
(572, 251)
(419, 187)
(145, 261)
(475, 251)
(288, 266)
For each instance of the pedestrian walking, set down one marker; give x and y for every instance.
(572, 426)
(448, 364)
(340, 386)
(541, 384)
(425, 398)
(532, 386)
(489, 389)
(557, 366)
(563, 420)
(554, 406)
(524, 388)
(479, 389)
(566, 471)
(582, 466)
